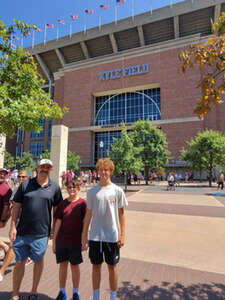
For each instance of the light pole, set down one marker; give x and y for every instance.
(101, 145)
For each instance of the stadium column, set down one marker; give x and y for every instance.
(59, 145)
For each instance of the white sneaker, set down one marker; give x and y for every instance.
(1, 277)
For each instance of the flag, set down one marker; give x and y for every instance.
(60, 21)
(120, 1)
(74, 17)
(12, 46)
(104, 6)
(89, 11)
(27, 33)
(15, 38)
(49, 26)
(37, 29)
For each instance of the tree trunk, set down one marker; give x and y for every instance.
(125, 182)
(146, 175)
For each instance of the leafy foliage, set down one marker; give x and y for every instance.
(152, 140)
(72, 161)
(22, 101)
(210, 59)
(206, 151)
(25, 162)
(9, 162)
(45, 154)
(125, 155)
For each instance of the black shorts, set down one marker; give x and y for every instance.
(111, 253)
(68, 253)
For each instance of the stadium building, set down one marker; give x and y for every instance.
(125, 72)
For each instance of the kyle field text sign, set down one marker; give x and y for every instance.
(124, 72)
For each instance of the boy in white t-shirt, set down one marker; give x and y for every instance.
(105, 212)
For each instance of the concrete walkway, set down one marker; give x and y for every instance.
(175, 250)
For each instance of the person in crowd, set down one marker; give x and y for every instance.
(33, 204)
(139, 177)
(66, 244)
(220, 180)
(5, 195)
(22, 176)
(105, 211)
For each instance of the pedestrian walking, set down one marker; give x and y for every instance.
(220, 181)
(105, 212)
(67, 238)
(5, 195)
(33, 204)
(22, 176)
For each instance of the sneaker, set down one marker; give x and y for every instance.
(33, 297)
(61, 296)
(76, 296)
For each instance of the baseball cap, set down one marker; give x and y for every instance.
(4, 170)
(45, 161)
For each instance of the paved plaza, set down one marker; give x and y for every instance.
(175, 249)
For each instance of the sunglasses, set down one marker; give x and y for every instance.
(73, 187)
(22, 176)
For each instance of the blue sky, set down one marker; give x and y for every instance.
(49, 11)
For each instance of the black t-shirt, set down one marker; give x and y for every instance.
(36, 205)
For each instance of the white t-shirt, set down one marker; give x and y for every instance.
(104, 202)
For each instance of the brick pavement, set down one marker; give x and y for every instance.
(172, 252)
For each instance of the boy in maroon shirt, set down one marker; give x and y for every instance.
(67, 238)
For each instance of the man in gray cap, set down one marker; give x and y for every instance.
(33, 204)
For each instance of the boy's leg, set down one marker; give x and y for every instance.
(63, 274)
(75, 270)
(96, 276)
(113, 277)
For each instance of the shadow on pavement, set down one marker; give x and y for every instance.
(24, 296)
(168, 291)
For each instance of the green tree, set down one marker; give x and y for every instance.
(45, 154)
(22, 101)
(125, 155)
(9, 161)
(209, 57)
(72, 161)
(25, 162)
(154, 152)
(209, 148)
(193, 158)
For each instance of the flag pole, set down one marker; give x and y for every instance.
(57, 32)
(33, 39)
(132, 10)
(70, 29)
(151, 7)
(45, 35)
(85, 24)
(115, 14)
(100, 23)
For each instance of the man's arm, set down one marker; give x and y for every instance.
(121, 239)
(87, 220)
(15, 215)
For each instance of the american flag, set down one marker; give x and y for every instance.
(104, 6)
(120, 1)
(12, 46)
(37, 29)
(89, 11)
(60, 21)
(27, 33)
(74, 17)
(15, 38)
(49, 26)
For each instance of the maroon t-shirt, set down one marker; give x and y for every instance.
(72, 215)
(5, 195)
